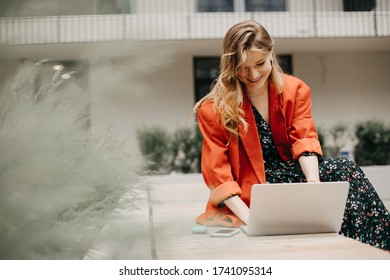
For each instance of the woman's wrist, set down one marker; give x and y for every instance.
(239, 208)
(222, 203)
(309, 165)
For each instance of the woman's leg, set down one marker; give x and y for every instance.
(365, 218)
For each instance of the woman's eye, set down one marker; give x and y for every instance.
(260, 64)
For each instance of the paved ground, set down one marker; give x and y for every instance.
(160, 228)
(128, 234)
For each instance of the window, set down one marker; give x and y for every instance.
(359, 5)
(113, 7)
(285, 62)
(206, 71)
(265, 5)
(20, 8)
(215, 5)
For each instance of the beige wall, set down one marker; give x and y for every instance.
(346, 86)
(154, 86)
(149, 90)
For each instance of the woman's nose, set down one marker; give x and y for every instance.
(253, 74)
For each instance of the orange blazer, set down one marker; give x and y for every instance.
(232, 169)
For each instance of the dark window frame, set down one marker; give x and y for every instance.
(265, 5)
(359, 5)
(206, 71)
(204, 75)
(207, 6)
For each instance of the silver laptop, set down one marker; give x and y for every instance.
(296, 208)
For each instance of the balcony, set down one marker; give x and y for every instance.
(187, 26)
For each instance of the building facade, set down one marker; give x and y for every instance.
(145, 62)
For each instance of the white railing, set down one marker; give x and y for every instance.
(341, 24)
(178, 26)
(383, 23)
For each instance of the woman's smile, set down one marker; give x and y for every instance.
(255, 80)
(255, 71)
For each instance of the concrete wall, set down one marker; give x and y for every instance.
(148, 88)
(154, 86)
(346, 87)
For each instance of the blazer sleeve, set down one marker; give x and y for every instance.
(303, 135)
(216, 168)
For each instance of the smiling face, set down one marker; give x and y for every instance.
(255, 72)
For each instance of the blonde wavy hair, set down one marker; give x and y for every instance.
(226, 90)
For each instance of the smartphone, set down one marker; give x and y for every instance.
(225, 232)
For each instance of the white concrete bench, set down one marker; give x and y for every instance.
(128, 234)
(379, 177)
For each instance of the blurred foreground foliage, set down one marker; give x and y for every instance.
(58, 184)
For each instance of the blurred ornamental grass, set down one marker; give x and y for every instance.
(58, 184)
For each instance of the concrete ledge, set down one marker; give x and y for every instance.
(379, 177)
(162, 220)
(175, 204)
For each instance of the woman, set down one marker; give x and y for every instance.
(257, 127)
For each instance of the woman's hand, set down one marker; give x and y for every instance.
(238, 207)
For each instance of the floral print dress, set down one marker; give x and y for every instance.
(365, 218)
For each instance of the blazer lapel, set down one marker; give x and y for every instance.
(277, 122)
(251, 142)
(275, 105)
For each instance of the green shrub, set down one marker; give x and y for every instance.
(155, 144)
(373, 147)
(321, 136)
(186, 149)
(334, 138)
(166, 152)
